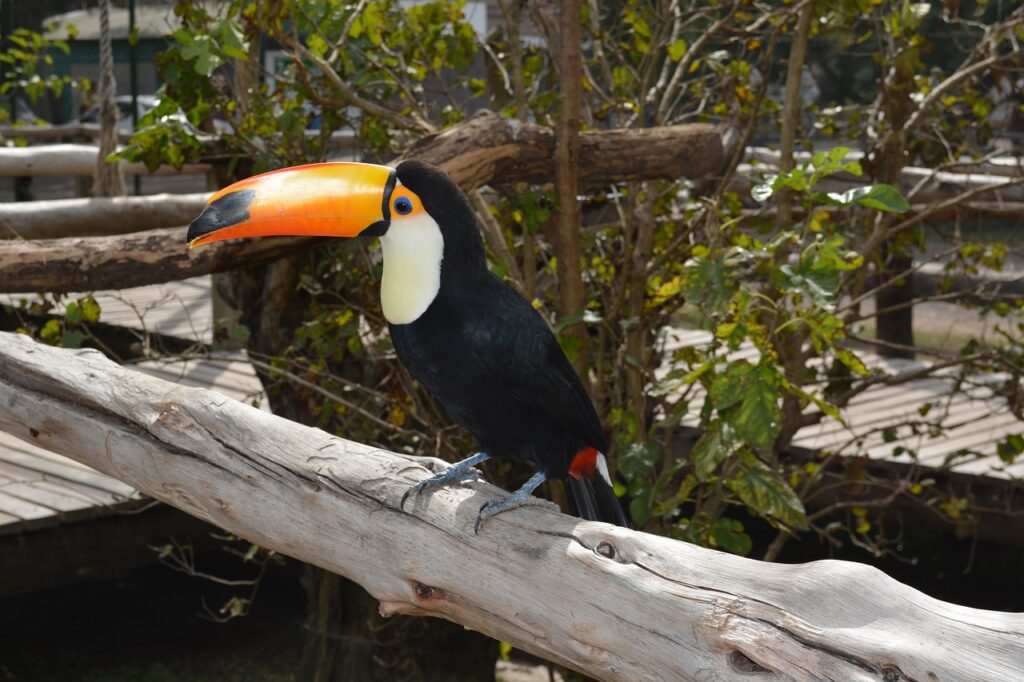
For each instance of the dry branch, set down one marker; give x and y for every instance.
(71, 132)
(487, 149)
(612, 603)
(72, 159)
(55, 218)
(84, 132)
(490, 149)
(119, 262)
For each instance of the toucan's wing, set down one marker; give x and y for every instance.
(520, 352)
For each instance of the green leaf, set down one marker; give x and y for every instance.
(90, 309)
(200, 50)
(747, 397)
(641, 505)
(818, 284)
(1010, 448)
(73, 313)
(240, 333)
(728, 535)
(676, 50)
(853, 361)
(767, 494)
(72, 338)
(51, 331)
(880, 197)
(715, 445)
(316, 44)
(571, 346)
(827, 408)
(638, 460)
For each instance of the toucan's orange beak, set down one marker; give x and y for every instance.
(318, 200)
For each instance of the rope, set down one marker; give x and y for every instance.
(109, 181)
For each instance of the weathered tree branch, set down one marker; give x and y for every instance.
(119, 262)
(52, 219)
(612, 603)
(72, 159)
(487, 149)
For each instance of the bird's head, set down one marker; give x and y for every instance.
(420, 214)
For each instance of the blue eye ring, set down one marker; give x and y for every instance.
(403, 206)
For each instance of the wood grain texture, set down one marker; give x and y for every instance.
(488, 149)
(57, 218)
(613, 603)
(133, 260)
(73, 159)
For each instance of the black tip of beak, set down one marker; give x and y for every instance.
(230, 209)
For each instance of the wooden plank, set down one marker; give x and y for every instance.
(8, 521)
(933, 447)
(973, 437)
(23, 509)
(44, 465)
(51, 499)
(831, 432)
(86, 494)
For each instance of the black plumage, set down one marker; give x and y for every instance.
(492, 360)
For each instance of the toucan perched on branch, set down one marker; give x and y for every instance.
(477, 345)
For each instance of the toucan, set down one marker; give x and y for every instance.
(478, 346)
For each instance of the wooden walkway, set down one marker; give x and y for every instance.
(41, 489)
(885, 422)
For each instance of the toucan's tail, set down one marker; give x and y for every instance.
(590, 492)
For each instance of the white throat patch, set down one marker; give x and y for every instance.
(413, 249)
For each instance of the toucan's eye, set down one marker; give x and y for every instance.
(403, 206)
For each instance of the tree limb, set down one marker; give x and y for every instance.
(72, 159)
(612, 603)
(486, 149)
(119, 262)
(55, 218)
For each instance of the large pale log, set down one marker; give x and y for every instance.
(612, 603)
(55, 218)
(487, 149)
(72, 159)
(118, 262)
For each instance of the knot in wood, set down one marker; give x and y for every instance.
(606, 549)
(742, 663)
(891, 673)
(426, 592)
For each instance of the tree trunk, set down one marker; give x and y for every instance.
(613, 603)
(572, 295)
(894, 323)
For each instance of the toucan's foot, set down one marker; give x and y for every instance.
(519, 498)
(456, 473)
